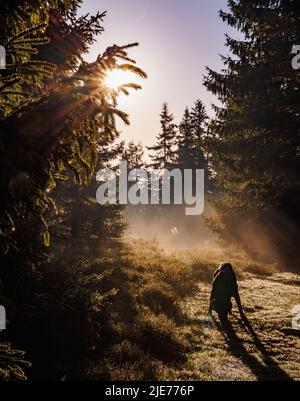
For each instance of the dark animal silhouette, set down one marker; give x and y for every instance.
(224, 287)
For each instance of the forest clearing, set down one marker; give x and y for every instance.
(149, 182)
(156, 325)
(268, 297)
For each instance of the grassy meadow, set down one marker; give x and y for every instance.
(157, 326)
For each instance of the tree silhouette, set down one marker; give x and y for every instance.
(165, 148)
(255, 136)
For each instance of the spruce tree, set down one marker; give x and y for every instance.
(198, 120)
(65, 116)
(57, 117)
(185, 142)
(193, 152)
(255, 135)
(133, 154)
(12, 363)
(165, 149)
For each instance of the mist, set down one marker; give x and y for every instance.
(171, 227)
(267, 240)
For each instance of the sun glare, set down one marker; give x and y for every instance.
(116, 78)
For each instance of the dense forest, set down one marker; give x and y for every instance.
(89, 291)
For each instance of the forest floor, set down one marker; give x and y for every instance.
(261, 353)
(154, 324)
(168, 335)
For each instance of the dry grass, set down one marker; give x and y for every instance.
(266, 354)
(158, 322)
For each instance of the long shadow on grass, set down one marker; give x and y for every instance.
(269, 370)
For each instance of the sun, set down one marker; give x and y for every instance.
(115, 78)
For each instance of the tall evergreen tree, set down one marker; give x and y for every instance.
(57, 116)
(198, 120)
(133, 154)
(193, 144)
(185, 142)
(79, 110)
(255, 135)
(165, 149)
(201, 155)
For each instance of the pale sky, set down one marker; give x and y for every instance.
(178, 38)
